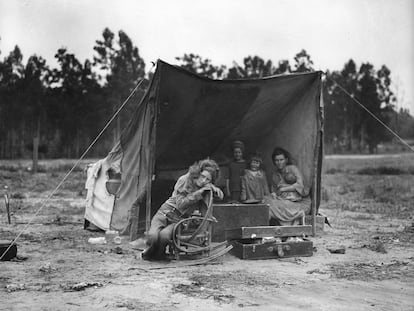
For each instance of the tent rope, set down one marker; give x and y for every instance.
(74, 166)
(373, 115)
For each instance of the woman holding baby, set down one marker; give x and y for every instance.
(289, 199)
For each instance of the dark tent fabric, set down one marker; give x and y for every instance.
(184, 117)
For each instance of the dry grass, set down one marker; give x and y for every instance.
(50, 165)
(378, 185)
(380, 164)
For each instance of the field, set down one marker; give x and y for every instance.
(367, 199)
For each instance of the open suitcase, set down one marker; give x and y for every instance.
(267, 242)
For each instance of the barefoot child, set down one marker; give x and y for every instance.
(236, 169)
(254, 183)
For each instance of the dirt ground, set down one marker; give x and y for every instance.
(57, 269)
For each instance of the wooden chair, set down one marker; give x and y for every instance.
(192, 237)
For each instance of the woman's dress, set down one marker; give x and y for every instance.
(288, 206)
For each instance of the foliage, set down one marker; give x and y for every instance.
(254, 67)
(201, 66)
(75, 85)
(120, 67)
(67, 107)
(349, 126)
(11, 104)
(402, 122)
(303, 62)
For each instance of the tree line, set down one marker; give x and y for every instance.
(64, 108)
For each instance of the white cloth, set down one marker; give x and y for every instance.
(99, 203)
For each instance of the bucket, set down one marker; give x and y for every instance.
(11, 253)
(112, 185)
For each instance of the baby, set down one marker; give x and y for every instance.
(289, 179)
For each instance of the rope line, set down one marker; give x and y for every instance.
(74, 166)
(373, 115)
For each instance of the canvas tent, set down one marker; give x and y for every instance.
(184, 117)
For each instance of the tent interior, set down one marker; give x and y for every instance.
(184, 117)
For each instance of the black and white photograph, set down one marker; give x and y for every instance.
(207, 155)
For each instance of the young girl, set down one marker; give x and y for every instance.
(236, 169)
(254, 183)
(189, 194)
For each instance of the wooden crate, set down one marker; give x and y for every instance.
(320, 222)
(238, 215)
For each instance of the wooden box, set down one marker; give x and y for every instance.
(267, 242)
(267, 231)
(320, 222)
(251, 249)
(238, 215)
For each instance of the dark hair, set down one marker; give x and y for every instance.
(208, 165)
(257, 156)
(284, 152)
(237, 144)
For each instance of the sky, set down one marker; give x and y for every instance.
(380, 32)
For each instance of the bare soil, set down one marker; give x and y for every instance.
(57, 269)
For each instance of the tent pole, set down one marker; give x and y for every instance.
(314, 205)
(318, 166)
(151, 166)
(148, 206)
(150, 175)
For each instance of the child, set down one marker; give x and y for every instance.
(254, 183)
(236, 169)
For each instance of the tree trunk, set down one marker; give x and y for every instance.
(35, 154)
(22, 151)
(36, 148)
(77, 143)
(12, 135)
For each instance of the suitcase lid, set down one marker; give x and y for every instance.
(267, 231)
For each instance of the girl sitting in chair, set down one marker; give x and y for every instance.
(190, 193)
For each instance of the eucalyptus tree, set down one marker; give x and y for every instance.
(11, 117)
(201, 66)
(303, 62)
(253, 67)
(68, 82)
(33, 91)
(119, 66)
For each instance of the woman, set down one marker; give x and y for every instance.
(289, 199)
(189, 194)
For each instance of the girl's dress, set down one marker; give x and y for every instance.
(254, 187)
(236, 171)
